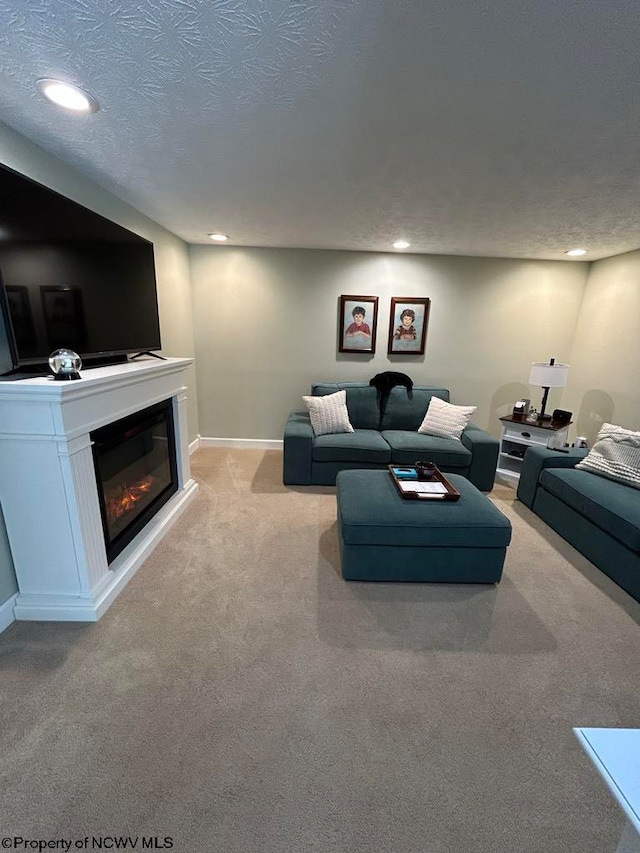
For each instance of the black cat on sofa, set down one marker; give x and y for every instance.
(384, 382)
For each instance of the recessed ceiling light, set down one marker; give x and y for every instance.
(67, 96)
(401, 244)
(219, 238)
(575, 253)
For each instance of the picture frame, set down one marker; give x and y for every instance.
(357, 328)
(64, 317)
(408, 322)
(21, 316)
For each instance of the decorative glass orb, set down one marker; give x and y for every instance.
(65, 364)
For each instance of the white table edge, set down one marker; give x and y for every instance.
(631, 814)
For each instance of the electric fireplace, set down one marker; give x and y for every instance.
(48, 471)
(136, 473)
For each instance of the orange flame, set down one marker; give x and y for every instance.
(122, 498)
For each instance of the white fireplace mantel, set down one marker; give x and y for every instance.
(48, 490)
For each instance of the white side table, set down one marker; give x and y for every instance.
(518, 435)
(615, 754)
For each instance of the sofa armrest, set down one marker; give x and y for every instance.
(535, 460)
(484, 456)
(297, 449)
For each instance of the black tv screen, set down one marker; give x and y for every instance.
(71, 278)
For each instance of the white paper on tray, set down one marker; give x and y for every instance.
(423, 488)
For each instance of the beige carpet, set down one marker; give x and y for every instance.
(240, 696)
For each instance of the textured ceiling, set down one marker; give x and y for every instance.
(475, 127)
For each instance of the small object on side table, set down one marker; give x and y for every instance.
(560, 416)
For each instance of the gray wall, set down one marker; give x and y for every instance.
(266, 327)
(605, 356)
(172, 268)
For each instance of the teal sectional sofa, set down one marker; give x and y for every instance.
(382, 439)
(598, 516)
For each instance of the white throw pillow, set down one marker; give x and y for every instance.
(615, 455)
(329, 414)
(445, 420)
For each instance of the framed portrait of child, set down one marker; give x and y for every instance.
(408, 325)
(358, 319)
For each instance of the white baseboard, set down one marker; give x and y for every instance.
(194, 445)
(243, 443)
(6, 613)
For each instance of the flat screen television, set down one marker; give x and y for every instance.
(70, 278)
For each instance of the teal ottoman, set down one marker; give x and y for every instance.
(384, 537)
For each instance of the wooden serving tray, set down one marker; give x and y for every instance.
(410, 490)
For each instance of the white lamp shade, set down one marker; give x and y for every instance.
(548, 375)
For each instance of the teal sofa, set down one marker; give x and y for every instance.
(382, 439)
(599, 517)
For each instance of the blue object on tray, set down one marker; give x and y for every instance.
(405, 473)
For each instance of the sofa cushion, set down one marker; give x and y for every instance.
(616, 455)
(363, 445)
(407, 447)
(445, 419)
(613, 507)
(328, 414)
(404, 413)
(362, 402)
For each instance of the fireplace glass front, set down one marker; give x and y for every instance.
(135, 464)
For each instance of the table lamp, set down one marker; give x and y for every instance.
(547, 376)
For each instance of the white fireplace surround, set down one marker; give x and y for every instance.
(48, 489)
